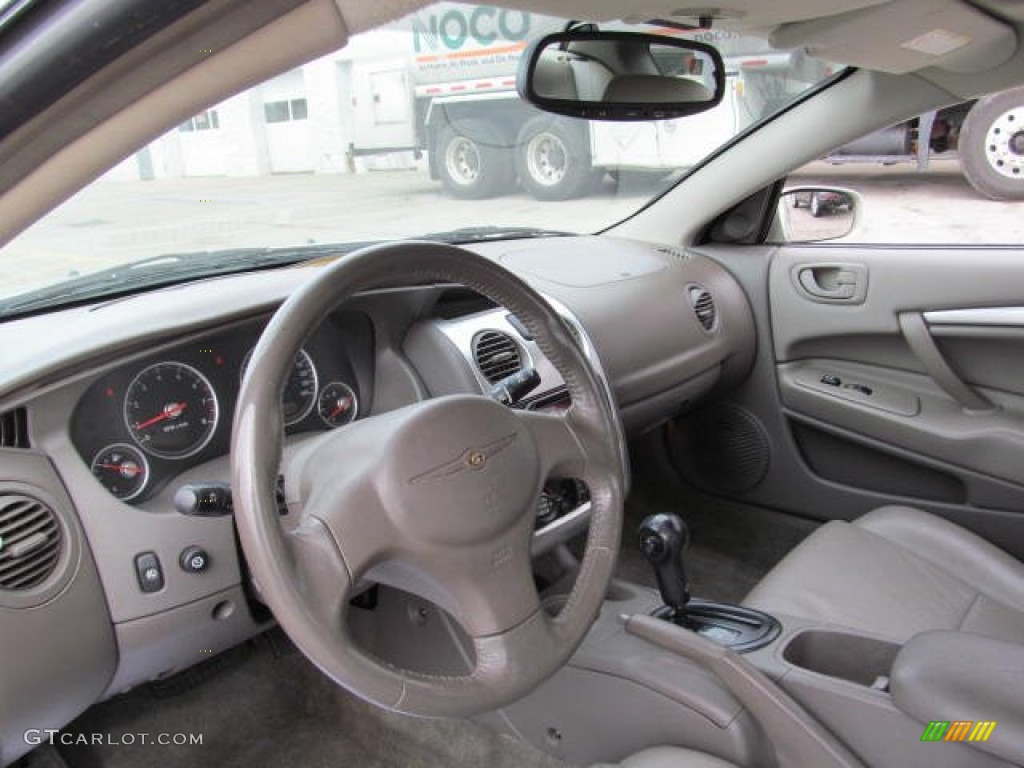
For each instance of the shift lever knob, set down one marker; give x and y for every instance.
(662, 540)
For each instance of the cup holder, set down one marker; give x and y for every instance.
(857, 659)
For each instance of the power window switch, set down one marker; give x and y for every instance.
(831, 380)
(149, 572)
(864, 389)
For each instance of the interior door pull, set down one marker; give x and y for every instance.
(839, 283)
(921, 343)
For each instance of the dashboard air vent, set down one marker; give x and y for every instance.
(704, 307)
(30, 542)
(14, 429)
(496, 355)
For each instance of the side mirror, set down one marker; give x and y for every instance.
(620, 75)
(814, 214)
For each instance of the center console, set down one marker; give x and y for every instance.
(757, 690)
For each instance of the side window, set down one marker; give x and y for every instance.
(204, 121)
(950, 177)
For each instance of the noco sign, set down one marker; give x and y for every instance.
(451, 29)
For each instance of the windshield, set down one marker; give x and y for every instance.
(411, 130)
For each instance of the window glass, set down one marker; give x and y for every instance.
(420, 116)
(276, 112)
(951, 177)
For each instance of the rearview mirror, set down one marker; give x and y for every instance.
(620, 76)
(813, 214)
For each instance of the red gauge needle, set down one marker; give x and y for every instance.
(124, 469)
(343, 405)
(171, 411)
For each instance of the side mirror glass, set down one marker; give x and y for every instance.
(620, 76)
(814, 214)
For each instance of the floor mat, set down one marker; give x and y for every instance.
(268, 708)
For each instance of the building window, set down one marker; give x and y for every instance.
(204, 121)
(283, 111)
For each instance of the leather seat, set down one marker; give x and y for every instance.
(671, 757)
(896, 572)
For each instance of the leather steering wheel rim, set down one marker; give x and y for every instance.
(437, 497)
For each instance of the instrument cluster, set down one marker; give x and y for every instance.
(141, 424)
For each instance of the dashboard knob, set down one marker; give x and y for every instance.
(194, 559)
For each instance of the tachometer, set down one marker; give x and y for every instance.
(171, 410)
(122, 469)
(300, 389)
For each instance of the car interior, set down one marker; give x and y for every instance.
(685, 492)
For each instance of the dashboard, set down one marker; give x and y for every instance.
(121, 404)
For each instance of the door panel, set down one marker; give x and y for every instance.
(907, 389)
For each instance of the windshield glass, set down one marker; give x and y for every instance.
(411, 130)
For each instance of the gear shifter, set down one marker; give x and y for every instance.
(663, 537)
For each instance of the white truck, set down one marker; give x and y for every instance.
(459, 57)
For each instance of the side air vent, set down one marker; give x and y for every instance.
(496, 355)
(704, 307)
(14, 429)
(30, 542)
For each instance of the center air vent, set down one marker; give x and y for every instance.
(496, 355)
(30, 542)
(704, 307)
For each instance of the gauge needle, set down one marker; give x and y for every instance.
(170, 411)
(124, 469)
(343, 405)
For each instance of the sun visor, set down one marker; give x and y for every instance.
(905, 35)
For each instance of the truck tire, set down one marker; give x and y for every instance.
(471, 162)
(992, 145)
(816, 209)
(553, 158)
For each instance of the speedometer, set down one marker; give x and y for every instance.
(171, 410)
(299, 391)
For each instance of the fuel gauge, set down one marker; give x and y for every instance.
(337, 404)
(122, 469)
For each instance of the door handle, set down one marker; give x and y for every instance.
(845, 283)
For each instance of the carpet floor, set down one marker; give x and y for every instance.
(264, 704)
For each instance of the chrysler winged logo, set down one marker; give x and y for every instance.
(472, 458)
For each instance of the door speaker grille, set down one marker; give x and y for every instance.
(723, 449)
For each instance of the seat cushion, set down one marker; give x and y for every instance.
(896, 572)
(671, 757)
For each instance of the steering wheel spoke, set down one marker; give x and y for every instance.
(560, 449)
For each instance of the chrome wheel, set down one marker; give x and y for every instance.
(547, 159)
(1004, 144)
(462, 161)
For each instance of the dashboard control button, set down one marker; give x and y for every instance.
(831, 379)
(149, 572)
(204, 500)
(194, 559)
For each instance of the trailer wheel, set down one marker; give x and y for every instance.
(471, 162)
(992, 145)
(553, 159)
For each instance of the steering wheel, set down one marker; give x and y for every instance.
(438, 498)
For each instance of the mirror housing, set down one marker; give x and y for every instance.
(625, 76)
(809, 214)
